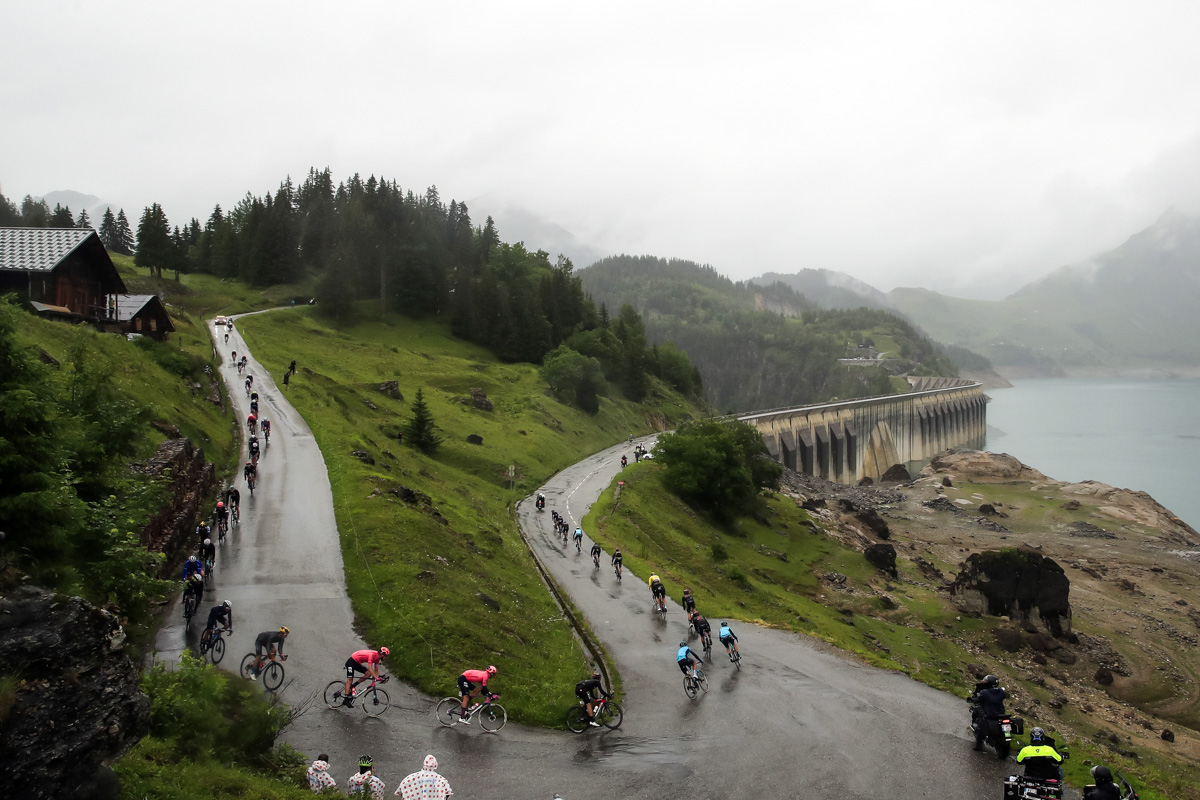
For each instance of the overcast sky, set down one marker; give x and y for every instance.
(960, 146)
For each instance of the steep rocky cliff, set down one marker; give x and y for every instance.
(191, 478)
(69, 697)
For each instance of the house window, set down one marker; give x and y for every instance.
(153, 324)
(137, 323)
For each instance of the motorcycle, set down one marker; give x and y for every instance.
(1000, 730)
(541, 504)
(1127, 791)
(1021, 788)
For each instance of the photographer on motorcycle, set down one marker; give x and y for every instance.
(987, 705)
(1104, 789)
(1041, 760)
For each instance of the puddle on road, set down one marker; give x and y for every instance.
(614, 749)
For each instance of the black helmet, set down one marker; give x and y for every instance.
(1102, 775)
(1037, 735)
(595, 673)
(991, 680)
(683, 644)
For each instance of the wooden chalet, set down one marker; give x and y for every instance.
(61, 268)
(143, 314)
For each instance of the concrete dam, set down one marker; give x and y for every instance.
(845, 442)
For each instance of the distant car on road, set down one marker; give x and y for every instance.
(221, 321)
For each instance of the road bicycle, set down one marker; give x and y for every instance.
(735, 658)
(706, 642)
(266, 436)
(374, 700)
(189, 609)
(271, 672)
(212, 644)
(491, 714)
(579, 543)
(235, 517)
(607, 713)
(209, 567)
(695, 683)
(617, 569)
(660, 603)
(596, 560)
(250, 483)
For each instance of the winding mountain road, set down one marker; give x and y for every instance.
(797, 721)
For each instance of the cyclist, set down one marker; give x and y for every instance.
(233, 357)
(729, 639)
(658, 592)
(203, 530)
(467, 688)
(688, 602)
(272, 643)
(221, 515)
(251, 423)
(254, 449)
(253, 392)
(366, 662)
(687, 659)
(578, 537)
(703, 628)
(193, 580)
(249, 383)
(233, 498)
(218, 616)
(266, 429)
(596, 554)
(208, 550)
(616, 562)
(366, 782)
(250, 472)
(586, 692)
(624, 462)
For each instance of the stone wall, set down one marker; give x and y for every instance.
(190, 481)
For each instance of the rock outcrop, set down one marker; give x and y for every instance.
(66, 656)
(982, 464)
(1025, 586)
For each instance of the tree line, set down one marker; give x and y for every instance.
(114, 229)
(753, 358)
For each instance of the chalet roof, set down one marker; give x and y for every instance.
(39, 249)
(129, 305)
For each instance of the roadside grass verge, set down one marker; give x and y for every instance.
(433, 559)
(211, 735)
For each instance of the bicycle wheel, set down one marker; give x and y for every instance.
(690, 689)
(272, 676)
(492, 717)
(247, 663)
(447, 711)
(737, 661)
(218, 650)
(701, 680)
(333, 694)
(577, 719)
(610, 716)
(375, 701)
(204, 640)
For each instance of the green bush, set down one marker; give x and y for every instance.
(717, 466)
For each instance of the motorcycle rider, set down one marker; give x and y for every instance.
(1041, 760)
(988, 704)
(1104, 789)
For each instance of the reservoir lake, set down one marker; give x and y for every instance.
(1128, 433)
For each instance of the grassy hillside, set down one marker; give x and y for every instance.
(418, 568)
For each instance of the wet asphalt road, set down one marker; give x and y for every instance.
(796, 721)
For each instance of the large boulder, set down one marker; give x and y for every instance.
(982, 464)
(1020, 584)
(883, 557)
(76, 705)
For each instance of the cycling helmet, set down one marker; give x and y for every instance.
(595, 673)
(220, 504)
(1102, 775)
(687, 591)
(683, 644)
(1037, 735)
(207, 542)
(283, 629)
(365, 761)
(383, 651)
(491, 670)
(249, 464)
(991, 680)
(193, 560)
(227, 604)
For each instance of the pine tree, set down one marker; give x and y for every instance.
(155, 248)
(84, 220)
(62, 217)
(125, 241)
(420, 429)
(108, 230)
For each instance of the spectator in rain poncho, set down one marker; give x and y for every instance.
(426, 784)
(366, 782)
(318, 774)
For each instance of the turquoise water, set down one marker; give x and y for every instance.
(1134, 434)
